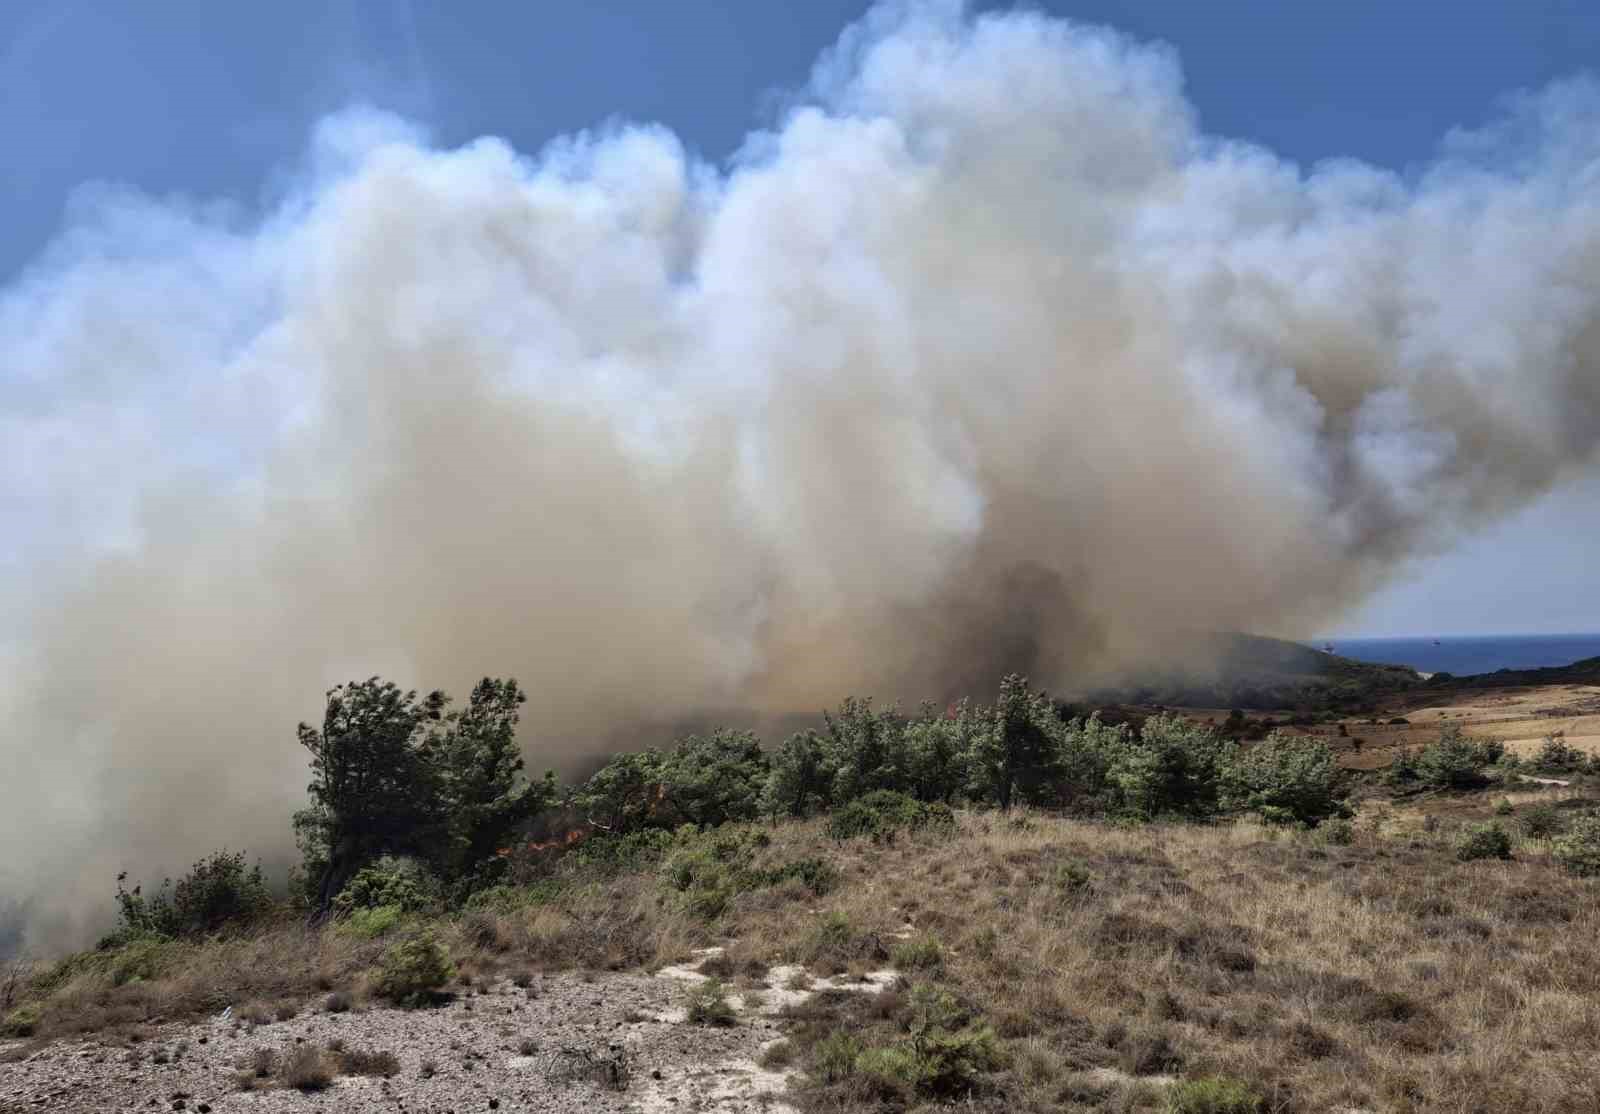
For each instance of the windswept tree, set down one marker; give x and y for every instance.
(373, 790)
(624, 795)
(478, 771)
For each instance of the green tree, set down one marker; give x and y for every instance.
(624, 795)
(1017, 753)
(1171, 768)
(800, 780)
(373, 789)
(478, 771)
(1455, 761)
(865, 749)
(939, 750)
(712, 779)
(1289, 779)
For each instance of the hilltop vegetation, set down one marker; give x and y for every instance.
(1080, 915)
(1255, 673)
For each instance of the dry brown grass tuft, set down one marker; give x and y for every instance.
(305, 1068)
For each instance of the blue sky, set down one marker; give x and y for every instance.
(212, 100)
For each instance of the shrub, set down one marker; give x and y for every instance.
(20, 1022)
(708, 870)
(355, 1061)
(1578, 849)
(1214, 1095)
(1483, 841)
(833, 1059)
(1287, 779)
(369, 924)
(1456, 762)
(1540, 822)
(413, 970)
(1557, 757)
(305, 1068)
(920, 953)
(708, 1004)
(1340, 833)
(1503, 807)
(946, 1051)
(883, 813)
(403, 884)
(219, 891)
(817, 875)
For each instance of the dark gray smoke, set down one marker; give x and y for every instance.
(986, 356)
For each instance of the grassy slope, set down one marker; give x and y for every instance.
(1382, 975)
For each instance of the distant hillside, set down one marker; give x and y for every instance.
(1585, 672)
(1255, 673)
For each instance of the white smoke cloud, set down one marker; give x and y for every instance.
(985, 356)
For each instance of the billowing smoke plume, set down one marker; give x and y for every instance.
(985, 357)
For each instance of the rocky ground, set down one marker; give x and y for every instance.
(565, 1043)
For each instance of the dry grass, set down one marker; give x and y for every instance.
(1382, 974)
(305, 1068)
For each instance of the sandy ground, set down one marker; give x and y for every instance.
(477, 1046)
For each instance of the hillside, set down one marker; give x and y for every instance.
(1022, 963)
(1251, 672)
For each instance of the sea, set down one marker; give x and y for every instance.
(1463, 654)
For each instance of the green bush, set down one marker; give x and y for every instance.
(708, 1004)
(833, 1059)
(401, 883)
(369, 924)
(20, 1022)
(1503, 807)
(413, 970)
(1340, 833)
(219, 892)
(881, 814)
(946, 1051)
(139, 960)
(1578, 849)
(1287, 779)
(1557, 757)
(1215, 1095)
(1483, 841)
(1173, 768)
(1455, 761)
(919, 953)
(1541, 822)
